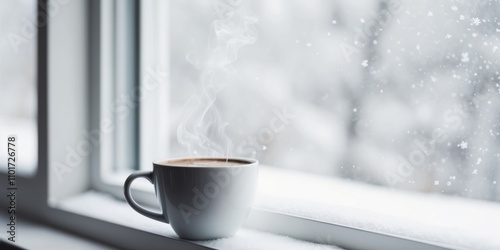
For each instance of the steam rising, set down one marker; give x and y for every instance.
(202, 130)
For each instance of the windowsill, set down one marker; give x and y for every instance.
(34, 235)
(433, 218)
(117, 212)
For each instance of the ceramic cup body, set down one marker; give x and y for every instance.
(201, 202)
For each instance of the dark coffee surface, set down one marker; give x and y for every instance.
(209, 163)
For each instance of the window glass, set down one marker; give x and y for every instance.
(392, 93)
(18, 98)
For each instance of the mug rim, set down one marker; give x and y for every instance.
(245, 162)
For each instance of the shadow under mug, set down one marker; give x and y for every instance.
(200, 202)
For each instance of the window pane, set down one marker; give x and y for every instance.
(18, 82)
(392, 93)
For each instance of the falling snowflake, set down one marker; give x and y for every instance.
(362, 20)
(475, 21)
(308, 44)
(479, 161)
(454, 8)
(462, 145)
(430, 13)
(364, 63)
(462, 17)
(334, 21)
(436, 183)
(465, 57)
(448, 183)
(495, 48)
(474, 171)
(448, 36)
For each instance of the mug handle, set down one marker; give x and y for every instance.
(146, 212)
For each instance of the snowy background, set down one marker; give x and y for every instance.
(400, 93)
(18, 60)
(393, 93)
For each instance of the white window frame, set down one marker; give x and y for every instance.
(64, 111)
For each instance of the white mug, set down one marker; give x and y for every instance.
(201, 198)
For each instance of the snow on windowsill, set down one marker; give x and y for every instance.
(428, 217)
(116, 211)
